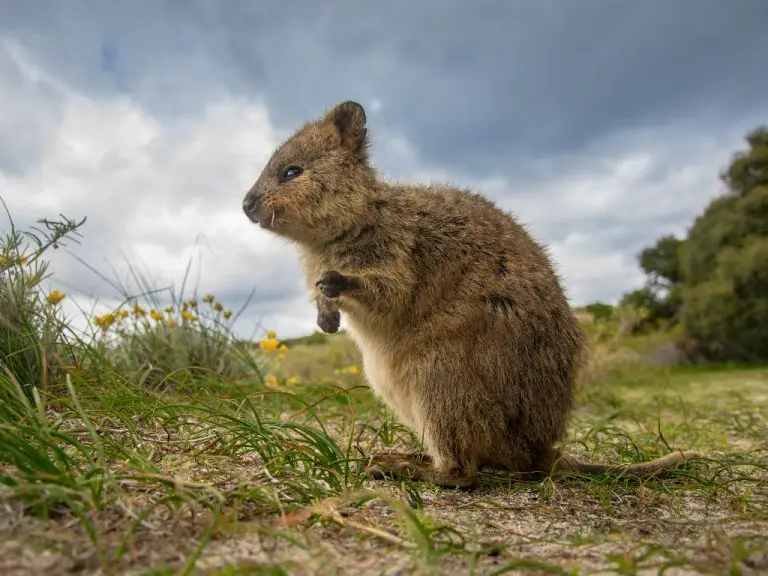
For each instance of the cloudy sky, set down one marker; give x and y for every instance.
(601, 124)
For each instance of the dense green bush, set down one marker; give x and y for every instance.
(728, 309)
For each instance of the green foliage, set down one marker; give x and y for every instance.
(728, 311)
(600, 311)
(661, 297)
(661, 262)
(749, 169)
(725, 223)
(159, 336)
(51, 468)
(714, 280)
(33, 337)
(174, 345)
(661, 309)
(725, 263)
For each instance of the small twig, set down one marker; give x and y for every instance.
(97, 429)
(175, 481)
(490, 504)
(378, 532)
(327, 510)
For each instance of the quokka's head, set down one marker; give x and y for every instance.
(317, 184)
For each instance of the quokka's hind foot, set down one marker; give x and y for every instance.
(418, 467)
(418, 456)
(415, 455)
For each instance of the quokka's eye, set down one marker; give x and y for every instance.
(290, 173)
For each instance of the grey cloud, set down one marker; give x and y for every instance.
(476, 88)
(24, 134)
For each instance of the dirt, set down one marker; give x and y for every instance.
(569, 526)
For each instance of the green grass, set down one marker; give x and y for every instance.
(139, 451)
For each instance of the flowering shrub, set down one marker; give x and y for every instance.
(166, 344)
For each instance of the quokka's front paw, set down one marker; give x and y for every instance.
(329, 321)
(332, 284)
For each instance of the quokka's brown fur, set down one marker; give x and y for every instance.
(465, 331)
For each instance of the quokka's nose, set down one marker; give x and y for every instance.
(250, 205)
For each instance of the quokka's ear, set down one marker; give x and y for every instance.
(348, 118)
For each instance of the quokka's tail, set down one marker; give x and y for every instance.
(565, 464)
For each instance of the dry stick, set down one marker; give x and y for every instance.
(383, 534)
(176, 482)
(327, 510)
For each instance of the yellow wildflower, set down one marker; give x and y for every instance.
(169, 309)
(192, 303)
(123, 314)
(3, 260)
(353, 370)
(208, 298)
(55, 297)
(283, 348)
(292, 381)
(218, 307)
(227, 314)
(139, 311)
(271, 382)
(105, 321)
(187, 315)
(269, 345)
(155, 315)
(271, 334)
(171, 322)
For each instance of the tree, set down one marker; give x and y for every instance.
(658, 307)
(661, 295)
(749, 169)
(661, 262)
(715, 280)
(600, 311)
(724, 262)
